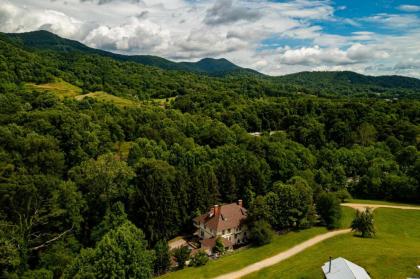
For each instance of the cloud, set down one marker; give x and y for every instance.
(135, 35)
(409, 8)
(17, 19)
(314, 56)
(224, 11)
(359, 53)
(317, 56)
(408, 64)
(394, 21)
(103, 2)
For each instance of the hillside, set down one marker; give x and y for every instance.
(44, 40)
(350, 83)
(98, 70)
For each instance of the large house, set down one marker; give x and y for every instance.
(225, 221)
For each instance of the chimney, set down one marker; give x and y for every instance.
(240, 203)
(329, 268)
(216, 209)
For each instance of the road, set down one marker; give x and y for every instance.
(304, 245)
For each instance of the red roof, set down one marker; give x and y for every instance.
(227, 216)
(211, 242)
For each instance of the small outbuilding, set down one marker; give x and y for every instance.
(341, 268)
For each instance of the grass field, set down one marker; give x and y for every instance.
(105, 97)
(380, 202)
(393, 253)
(61, 88)
(244, 257)
(64, 89)
(160, 102)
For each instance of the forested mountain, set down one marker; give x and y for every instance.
(44, 40)
(81, 177)
(351, 83)
(242, 80)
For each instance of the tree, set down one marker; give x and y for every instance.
(219, 247)
(366, 133)
(121, 253)
(200, 259)
(103, 180)
(114, 217)
(289, 205)
(261, 233)
(363, 223)
(162, 257)
(153, 206)
(329, 209)
(182, 254)
(343, 195)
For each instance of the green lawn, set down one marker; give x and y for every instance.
(244, 257)
(380, 202)
(61, 88)
(393, 253)
(64, 89)
(161, 102)
(105, 97)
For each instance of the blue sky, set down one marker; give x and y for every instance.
(374, 37)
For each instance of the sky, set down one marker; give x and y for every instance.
(375, 37)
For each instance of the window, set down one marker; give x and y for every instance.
(223, 232)
(202, 233)
(228, 230)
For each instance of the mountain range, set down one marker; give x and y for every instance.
(46, 44)
(44, 40)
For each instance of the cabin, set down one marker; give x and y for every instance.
(341, 268)
(225, 221)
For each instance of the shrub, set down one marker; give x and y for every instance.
(261, 233)
(329, 210)
(182, 254)
(200, 259)
(363, 223)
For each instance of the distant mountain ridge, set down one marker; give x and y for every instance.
(44, 40)
(348, 78)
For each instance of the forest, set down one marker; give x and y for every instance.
(79, 179)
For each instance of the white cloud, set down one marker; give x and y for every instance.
(394, 21)
(409, 8)
(318, 56)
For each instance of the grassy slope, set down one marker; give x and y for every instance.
(393, 253)
(242, 258)
(61, 88)
(105, 97)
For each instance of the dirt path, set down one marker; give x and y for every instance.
(361, 206)
(304, 245)
(282, 256)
